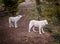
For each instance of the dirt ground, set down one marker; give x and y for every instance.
(21, 35)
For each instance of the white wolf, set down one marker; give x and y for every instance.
(39, 24)
(14, 20)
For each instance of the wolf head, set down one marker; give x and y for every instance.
(46, 22)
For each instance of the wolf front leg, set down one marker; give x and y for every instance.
(42, 30)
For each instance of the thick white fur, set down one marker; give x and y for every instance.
(14, 20)
(39, 24)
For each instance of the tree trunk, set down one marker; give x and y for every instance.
(38, 8)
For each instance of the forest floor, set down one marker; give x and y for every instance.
(21, 35)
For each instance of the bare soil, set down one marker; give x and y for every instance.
(21, 35)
